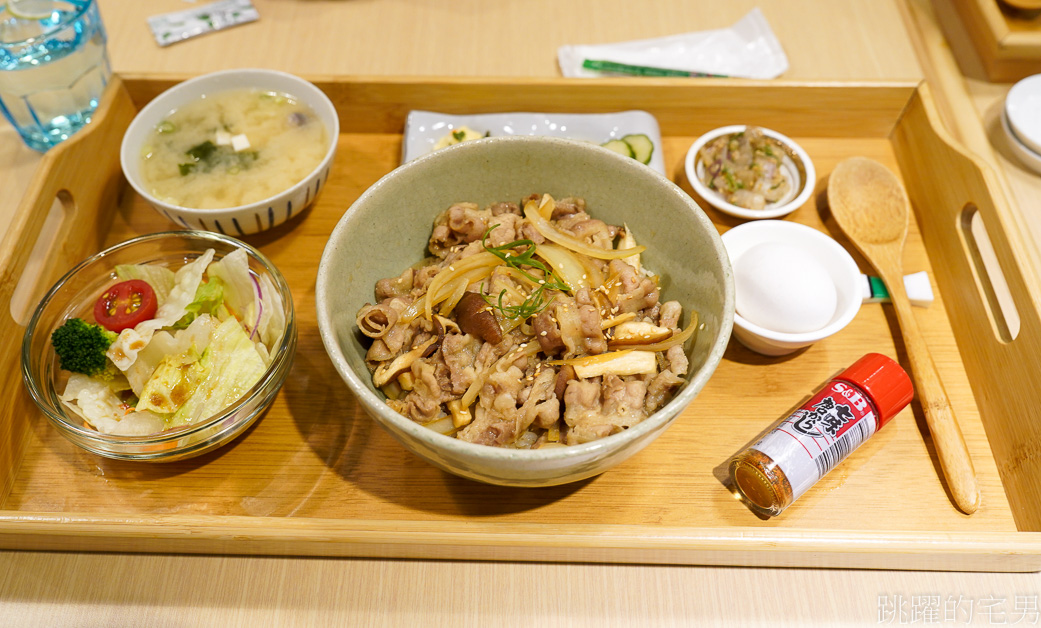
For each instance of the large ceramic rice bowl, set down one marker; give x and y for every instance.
(387, 229)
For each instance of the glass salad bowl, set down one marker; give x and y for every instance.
(75, 295)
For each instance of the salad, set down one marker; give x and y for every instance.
(169, 348)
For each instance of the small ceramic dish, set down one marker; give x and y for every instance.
(1027, 157)
(1023, 111)
(796, 167)
(424, 129)
(74, 295)
(251, 217)
(840, 266)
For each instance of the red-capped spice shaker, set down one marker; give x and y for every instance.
(803, 448)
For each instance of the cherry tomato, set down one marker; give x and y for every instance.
(125, 305)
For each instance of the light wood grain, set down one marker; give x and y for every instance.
(75, 590)
(951, 204)
(502, 38)
(316, 461)
(88, 194)
(859, 40)
(1006, 41)
(871, 207)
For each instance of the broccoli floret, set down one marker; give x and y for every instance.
(81, 346)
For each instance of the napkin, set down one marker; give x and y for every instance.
(748, 49)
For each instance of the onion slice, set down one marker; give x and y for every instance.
(551, 233)
(454, 271)
(566, 265)
(458, 289)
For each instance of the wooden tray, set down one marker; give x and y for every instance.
(316, 477)
(1007, 41)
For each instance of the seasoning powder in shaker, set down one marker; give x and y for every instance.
(849, 409)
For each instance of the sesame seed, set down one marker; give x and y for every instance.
(542, 333)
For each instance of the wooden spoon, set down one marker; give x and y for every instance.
(871, 206)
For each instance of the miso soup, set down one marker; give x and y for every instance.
(232, 148)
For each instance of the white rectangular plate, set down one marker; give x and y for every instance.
(423, 129)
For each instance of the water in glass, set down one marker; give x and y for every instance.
(53, 67)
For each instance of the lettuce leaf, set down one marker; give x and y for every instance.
(123, 352)
(103, 409)
(174, 381)
(164, 343)
(232, 366)
(253, 299)
(239, 293)
(209, 299)
(160, 278)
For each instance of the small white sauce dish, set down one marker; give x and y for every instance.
(1023, 111)
(797, 167)
(828, 254)
(243, 219)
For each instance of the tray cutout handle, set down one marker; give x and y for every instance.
(990, 279)
(29, 289)
(82, 176)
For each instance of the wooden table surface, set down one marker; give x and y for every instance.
(854, 40)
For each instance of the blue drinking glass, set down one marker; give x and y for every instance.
(53, 67)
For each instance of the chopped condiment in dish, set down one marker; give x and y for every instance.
(746, 168)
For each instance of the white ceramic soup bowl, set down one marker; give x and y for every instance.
(388, 228)
(243, 219)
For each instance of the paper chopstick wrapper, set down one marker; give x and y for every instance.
(170, 28)
(748, 49)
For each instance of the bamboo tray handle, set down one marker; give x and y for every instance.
(83, 193)
(1004, 368)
